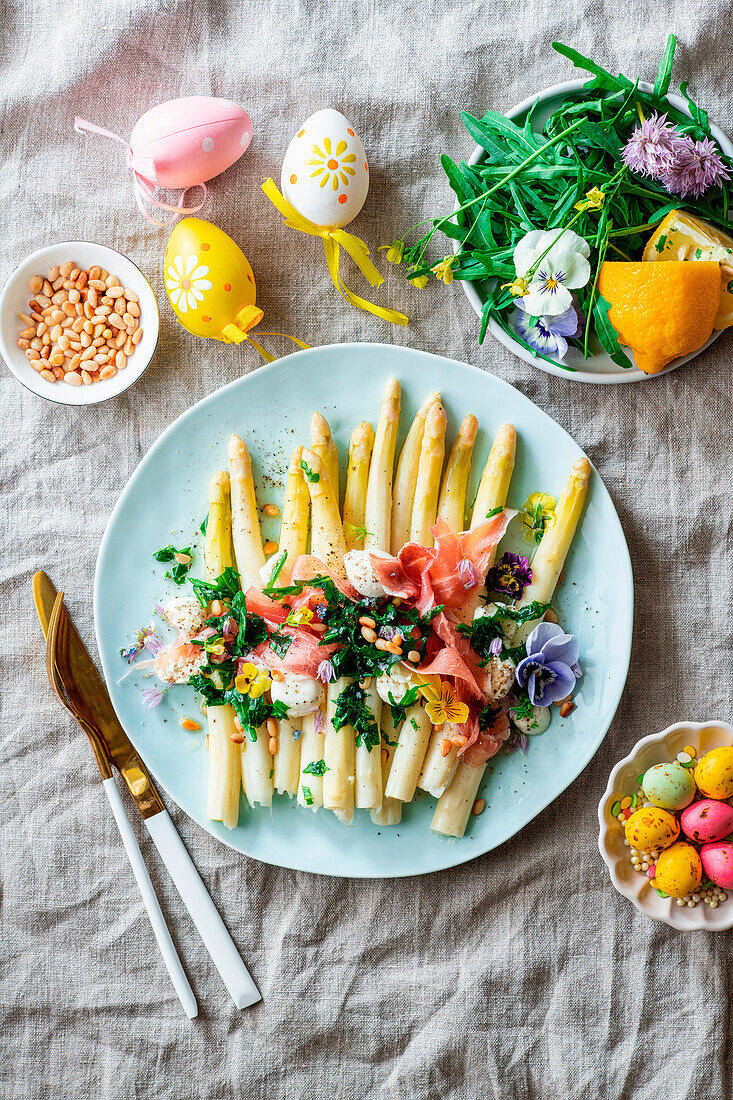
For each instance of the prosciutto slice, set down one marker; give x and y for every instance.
(483, 744)
(303, 655)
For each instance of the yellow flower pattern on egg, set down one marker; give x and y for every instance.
(325, 174)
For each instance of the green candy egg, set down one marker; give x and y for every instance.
(669, 786)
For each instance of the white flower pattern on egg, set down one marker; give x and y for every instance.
(186, 282)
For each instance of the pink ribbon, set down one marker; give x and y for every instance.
(144, 189)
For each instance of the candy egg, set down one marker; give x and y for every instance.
(679, 870)
(669, 786)
(717, 862)
(650, 828)
(714, 773)
(325, 175)
(209, 282)
(707, 820)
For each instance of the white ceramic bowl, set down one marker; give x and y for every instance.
(600, 368)
(658, 749)
(14, 300)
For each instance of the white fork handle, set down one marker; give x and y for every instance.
(204, 914)
(160, 928)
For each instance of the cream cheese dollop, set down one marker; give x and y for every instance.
(301, 694)
(536, 722)
(359, 570)
(185, 614)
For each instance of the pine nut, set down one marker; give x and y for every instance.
(270, 548)
(102, 358)
(550, 616)
(115, 321)
(567, 708)
(74, 296)
(119, 340)
(277, 675)
(94, 272)
(93, 297)
(35, 283)
(133, 308)
(64, 341)
(132, 323)
(81, 280)
(23, 343)
(111, 281)
(59, 373)
(75, 362)
(414, 657)
(36, 343)
(366, 621)
(88, 309)
(381, 644)
(272, 745)
(131, 295)
(98, 284)
(86, 378)
(384, 756)
(88, 353)
(271, 725)
(28, 333)
(236, 738)
(79, 325)
(120, 360)
(190, 724)
(459, 740)
(108, 372)
(53, 273)
(368, 635)
(445, 747)
(137, 336)
(115, 291)
(129, 343)
(479, 806)
(48, 376)
(39, 364)
(73, 378)
(98, 341)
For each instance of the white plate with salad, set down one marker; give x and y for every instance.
(398, 676)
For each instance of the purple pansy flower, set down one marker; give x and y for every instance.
(325, 672)
(510, 576)
(546, 334)
(547, 670)
(697, 166)
(652, 147)
(468, 573)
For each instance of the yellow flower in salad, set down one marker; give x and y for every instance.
(394, 251)
(300, 618)
(252, 681)
(518, 288)
(594, 200)
(442, 705)
(538, 513)
(444, 270)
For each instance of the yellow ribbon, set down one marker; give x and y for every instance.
(246, 319)
(333, 241)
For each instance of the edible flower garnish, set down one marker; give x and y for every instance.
(443, 271)
(468, 573)
(546, 334)
(697, 166)
(556, 261)
(326, 672)
(319, 721)
(146, 638)
(538, 513)
(419, 281)
(442, 705)
(252, 681)
(594, 200)
(300, 618)
(394, 251)
(547, 670)
(152, 696)
(518, 287)
(510, 576)
(652, 147)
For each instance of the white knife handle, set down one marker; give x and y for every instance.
(160, 928)
(209, 924)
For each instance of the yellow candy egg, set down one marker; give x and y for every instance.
(714, 773)
(679, 870)
(650, 828)
(209, 282)
(325, 174)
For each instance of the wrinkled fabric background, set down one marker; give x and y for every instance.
(522, 974)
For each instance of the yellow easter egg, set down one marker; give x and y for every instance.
(714, 773)
(650, 828)
(679, 870)
(209, 282)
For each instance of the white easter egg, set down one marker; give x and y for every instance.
(325, 174)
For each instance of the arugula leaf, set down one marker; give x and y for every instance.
(166, 553)
(664, 72)
(399, 710)
(311, 475)
(316, 767)
(225, 587)
(606, 333)
(251, 629)
(204, 524)
(307, 796)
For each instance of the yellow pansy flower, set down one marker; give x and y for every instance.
(252, 681)
(442, 705)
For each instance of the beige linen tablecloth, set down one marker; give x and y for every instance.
(522, 974)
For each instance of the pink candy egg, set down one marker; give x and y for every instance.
(187, 141)
(707, 820)
(717, 863)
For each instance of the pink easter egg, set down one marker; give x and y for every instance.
(717, 863)
(188, 141)
(707, 820)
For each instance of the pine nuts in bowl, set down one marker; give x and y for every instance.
(79, 323)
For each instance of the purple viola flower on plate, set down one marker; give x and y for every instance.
(697, 166)
(547, 670)
(546, 334)
(510, 576)
(651, 149)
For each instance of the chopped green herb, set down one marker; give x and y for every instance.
(316, 767)
(282, 558)
(167, 554)
(225, 587)
(279, 643)
(351, 710)
(659, 246)
(523, 707)
(204, 524)
(399, 710)
(413, 723)
(494, 511)
(272, 772)
(311, 475)
(484, 630)
(307, 796)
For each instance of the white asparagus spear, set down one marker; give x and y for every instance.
(369, 786)
(427, 486)
(339, 751)
(246, 535)
(494, 485)
(378, 509)
(323, 443)
(406, 476)
(327, 534)
(257, 769)
(287, 757)
(452, 501)
(390, 812)
(454, 806)
(357, 477)
(294, 523)
(225, 767)
(310, 787)
(409, 754)
(440, 761)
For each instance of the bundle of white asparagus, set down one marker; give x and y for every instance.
(383, 508)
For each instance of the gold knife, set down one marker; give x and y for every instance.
(125, 758)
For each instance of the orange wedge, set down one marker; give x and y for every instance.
(661, 311)
(682, 236)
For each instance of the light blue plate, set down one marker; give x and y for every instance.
(166, 500)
